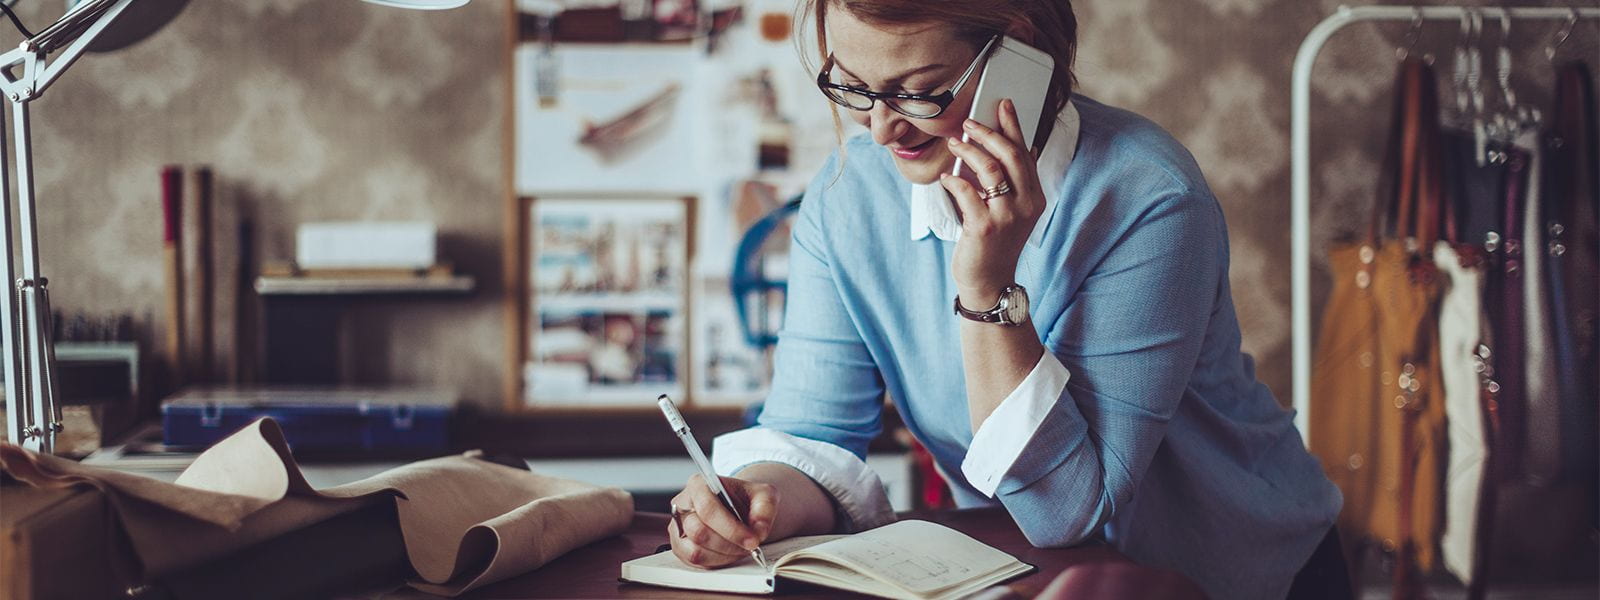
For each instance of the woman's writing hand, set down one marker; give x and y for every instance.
(993, 231)
(710, 536)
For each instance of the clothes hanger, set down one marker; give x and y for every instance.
(1553, 48)
(1561, 35)
(1412, 35)
(1503, 64)
(1514, 119)
(1460, 67)
(1474, 75)
(1500, 122)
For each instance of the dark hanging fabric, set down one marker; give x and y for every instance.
(1504, 307)
(1503, 302)
(1536, 513)
(1475, 187)
(1572, 257)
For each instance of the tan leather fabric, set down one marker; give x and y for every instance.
(466, 522)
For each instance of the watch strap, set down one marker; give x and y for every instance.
(987, 316)
(995, 314)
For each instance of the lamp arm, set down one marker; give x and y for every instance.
(76, 29)
(75, 19)
(25, 73)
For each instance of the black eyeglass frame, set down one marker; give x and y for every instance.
(941, 99)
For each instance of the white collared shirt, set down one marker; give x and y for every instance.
(934, 212)
(998, 441)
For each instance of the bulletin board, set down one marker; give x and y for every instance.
(606, 304)
(612, 109)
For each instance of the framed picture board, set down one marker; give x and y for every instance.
(602, 301)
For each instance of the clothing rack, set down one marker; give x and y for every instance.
(1300, 155)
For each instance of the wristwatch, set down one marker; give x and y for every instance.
(1011, 309)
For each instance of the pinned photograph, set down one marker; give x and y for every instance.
(607, 302)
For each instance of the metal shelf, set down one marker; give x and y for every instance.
(318, 286)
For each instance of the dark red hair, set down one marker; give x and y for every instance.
(1050, 24)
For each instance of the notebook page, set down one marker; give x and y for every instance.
(919, 556)
(665, 569)
(745, 576)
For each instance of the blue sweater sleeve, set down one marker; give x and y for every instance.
(826, 386)
(1131, 361)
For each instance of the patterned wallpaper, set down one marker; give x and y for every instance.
(342, 110)
(1216, 74)
(306, 111)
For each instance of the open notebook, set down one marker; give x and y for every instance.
(907, 559)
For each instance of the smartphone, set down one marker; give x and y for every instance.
(1017, 71)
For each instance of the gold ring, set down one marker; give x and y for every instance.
(997, 190)
(677, 517)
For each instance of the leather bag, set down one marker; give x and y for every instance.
(1377, 411)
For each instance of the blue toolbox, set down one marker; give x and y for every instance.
(336, 420)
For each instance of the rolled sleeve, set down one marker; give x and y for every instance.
(826, 402)
(1011, 427)
(855, 487)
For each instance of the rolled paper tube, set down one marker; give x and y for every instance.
(172, 210)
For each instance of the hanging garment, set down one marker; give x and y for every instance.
(1461, 366)
(1377, 417)
(1572, 257)
(1543, 529)
(1503, 305)
(1503, 387)
(1463, 342)
(1541, 456)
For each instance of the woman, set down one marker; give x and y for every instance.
(1122, 375)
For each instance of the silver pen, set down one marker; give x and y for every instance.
(681, 427)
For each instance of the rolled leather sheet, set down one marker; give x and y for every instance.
(466, 522)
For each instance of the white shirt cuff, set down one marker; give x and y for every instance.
(1003, 436)
(848, 479)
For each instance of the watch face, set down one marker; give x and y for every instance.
(1016, 305)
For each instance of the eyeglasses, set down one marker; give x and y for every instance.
(916, 106)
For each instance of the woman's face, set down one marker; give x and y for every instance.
(917, 59)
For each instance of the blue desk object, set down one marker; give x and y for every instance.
(315, 419)
(750, 284)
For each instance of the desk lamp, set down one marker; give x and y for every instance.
(33, 417)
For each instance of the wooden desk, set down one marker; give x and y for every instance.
(591, 571)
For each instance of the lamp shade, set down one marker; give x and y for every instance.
(137, 22)
(143, 18)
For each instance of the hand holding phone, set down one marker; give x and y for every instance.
(1017, 71)
(1005, 206)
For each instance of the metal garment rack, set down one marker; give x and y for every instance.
(1300, 155)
